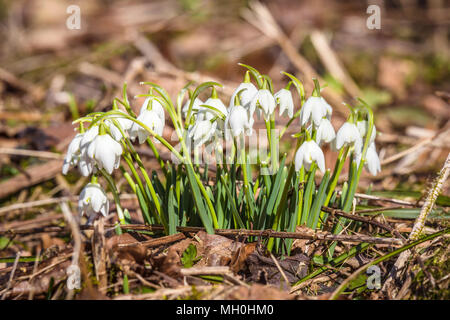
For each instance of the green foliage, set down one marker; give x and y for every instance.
(189, 257)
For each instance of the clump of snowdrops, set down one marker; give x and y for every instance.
(215, 179)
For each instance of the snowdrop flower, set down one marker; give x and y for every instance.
(152, 104)
(105, 151)
(372, 163)
(372, 160)
(86, 164)
(348, 134)
(114, 130)
(195, 107)
(247, 94)
(124, 123)
(73, 153)
(309, 152)
(202, 131)
(265, 100)
(325, 132)
(315, 108)
(284, 99)
(328, 108)
(152, 120)
(217, 104)
(88, 136)
(93, 201)
(238, 121)
(362, 126)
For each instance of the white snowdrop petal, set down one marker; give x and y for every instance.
(246, 96)
(92, 201)
(308, 153)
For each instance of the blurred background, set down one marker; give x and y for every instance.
(50, 74)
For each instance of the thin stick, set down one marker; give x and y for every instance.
(11, 276)
(36, 263)
(362, 219)
(371, 197)
(216, 271)
(155, 242)
(280, 269)
(45, 202)
(32, 153)
(406, 152)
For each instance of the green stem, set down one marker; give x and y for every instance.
(112, 186)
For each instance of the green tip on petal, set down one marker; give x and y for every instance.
(237, 100)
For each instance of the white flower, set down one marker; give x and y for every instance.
(202, 131)
(195, 106)
(325, 132)
(86, 164)
(93, 201)
(362, 126)
(309, 152)
(265, 100)
(115, 131)
(372, 163)
(88, 136)
(246, 96)
(124, 123)
(152, 120)
(217, 104)
(238, 121)
(284, 98)
(106, 152)
(152, 104)
(348, 134)
(73, 153)
(329, 109)
(315, 108)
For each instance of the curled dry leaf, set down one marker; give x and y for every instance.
(131, 253)
(218, 250)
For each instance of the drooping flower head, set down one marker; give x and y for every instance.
(93, 201)
(152, 116)
(105, 151)
(238, 119)
(216, 104)
(265, 100)
(372, 162)
(362, 126)
(325, 132)
(195, 106)
(77, 152)
(202, 131)
(284, 99)
(348, 135)
(308, 153)
(73, 153)
(315, 108)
